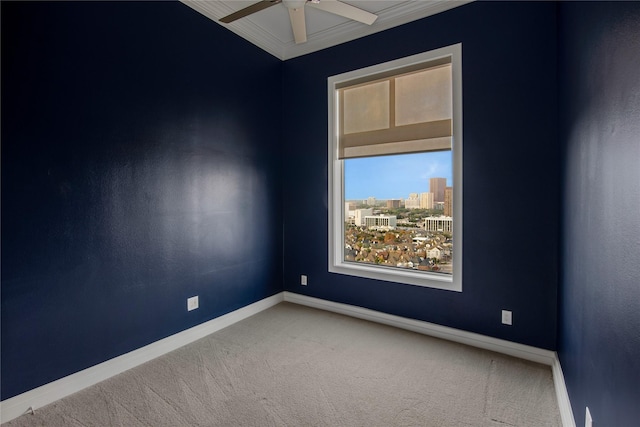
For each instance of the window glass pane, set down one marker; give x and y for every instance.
(424, 96)
(366, 108)
(391, 217)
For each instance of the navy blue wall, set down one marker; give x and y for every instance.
(139, 167)
(511, 171)
(599, 326)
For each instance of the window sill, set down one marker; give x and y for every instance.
(403, 276)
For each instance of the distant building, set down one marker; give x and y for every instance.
(439, 223)
(439, 206)
(434, 253)
(426, 201)
(371, 201)
(360, 214)
(393, 203)
(448, 201)
(413, 202)
(436, 186)
(348, 213)
(384, 222)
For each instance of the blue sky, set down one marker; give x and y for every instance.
(394, 177)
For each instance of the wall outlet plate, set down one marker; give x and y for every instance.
(192, 303)
(507, 318)
(303, 280)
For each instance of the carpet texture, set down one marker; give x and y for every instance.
(296, 366)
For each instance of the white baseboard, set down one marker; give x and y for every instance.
(521, 351)
(566, 413)
(49, 393)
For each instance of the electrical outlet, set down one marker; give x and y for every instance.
(192, 303)
(303, 280)
(507, 318)
(588, 421)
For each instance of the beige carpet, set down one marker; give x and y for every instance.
(295, 366)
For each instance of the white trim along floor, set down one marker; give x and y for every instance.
(49, 393)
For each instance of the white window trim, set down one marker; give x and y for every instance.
(336, 175)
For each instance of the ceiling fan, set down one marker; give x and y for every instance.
(296, 13)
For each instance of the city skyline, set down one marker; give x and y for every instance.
(395, 177)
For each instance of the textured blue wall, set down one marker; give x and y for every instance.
(139, 167)
(599, 334)
(511, 171)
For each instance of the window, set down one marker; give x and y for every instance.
(395, 170)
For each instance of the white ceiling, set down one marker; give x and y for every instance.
(270, 29)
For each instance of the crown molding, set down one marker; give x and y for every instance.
(400, 13)
(215, 10)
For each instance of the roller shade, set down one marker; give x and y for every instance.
(408, 112)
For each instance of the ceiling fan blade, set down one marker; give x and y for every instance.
(343, 9)
(298, 25)
(256, 7)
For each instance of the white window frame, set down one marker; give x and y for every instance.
(336, 179)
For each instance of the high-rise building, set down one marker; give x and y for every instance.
(413, 202)
(448, 201)
(436, 186)
(393, 203)
(426, 200)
